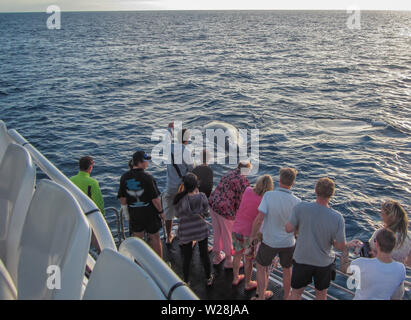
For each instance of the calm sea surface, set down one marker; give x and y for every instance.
(327, 100)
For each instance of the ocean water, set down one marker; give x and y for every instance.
(327, 100)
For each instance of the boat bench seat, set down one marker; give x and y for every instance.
(54, 246)
(17, 181)
(116, 277)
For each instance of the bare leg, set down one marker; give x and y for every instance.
(296, 294)
(248, 271)
(236, 267)
(169, 226)
(286, 282)
(156, 243)
(138, 235)
(261, 281)
(321, 295)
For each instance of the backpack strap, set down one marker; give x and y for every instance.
(89, 191)
(175, 166)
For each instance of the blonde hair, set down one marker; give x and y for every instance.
(288, 176)
(325, 188)
(264, 183)
(398, 219)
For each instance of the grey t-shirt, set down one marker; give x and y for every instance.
(318, 226)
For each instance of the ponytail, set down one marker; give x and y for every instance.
(190, 182)
(180, 196)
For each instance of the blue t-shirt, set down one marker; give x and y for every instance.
(277, 206)
(376, 280)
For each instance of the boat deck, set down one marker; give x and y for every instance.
(222, 289)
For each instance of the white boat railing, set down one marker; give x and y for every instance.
(94, 216)
(167, 280)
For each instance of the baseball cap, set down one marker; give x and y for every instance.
(140, 156)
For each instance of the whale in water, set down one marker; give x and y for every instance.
(228, 142)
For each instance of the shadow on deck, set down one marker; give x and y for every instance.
(222, 289)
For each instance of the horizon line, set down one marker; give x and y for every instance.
(195, 10)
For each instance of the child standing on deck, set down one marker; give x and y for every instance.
(191, 206)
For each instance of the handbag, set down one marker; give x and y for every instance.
(181, 186)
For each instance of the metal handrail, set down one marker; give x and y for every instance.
(94, 216)
(119, 223)
(122, 224)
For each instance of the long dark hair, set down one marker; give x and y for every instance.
(190, 182)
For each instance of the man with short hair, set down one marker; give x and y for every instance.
(140, 201)
(378, 278)
(175, 172)
(319, 229)
(204, 174)
(274, 210)
(87, 184)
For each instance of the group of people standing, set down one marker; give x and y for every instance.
(260, 223)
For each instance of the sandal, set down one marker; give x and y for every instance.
(239, 279)
(252, 287)
(170, 239)
(210, 280)
(268, 294)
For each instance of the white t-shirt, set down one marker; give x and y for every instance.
(277, 206)
(377, 280)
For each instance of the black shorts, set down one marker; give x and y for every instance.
(266, 255)
(303, 275)
(144, 219)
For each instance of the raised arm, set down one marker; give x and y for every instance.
(344, 260)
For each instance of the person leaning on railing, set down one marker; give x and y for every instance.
(242, 229)
(224, 203)
(191, 207)
(274, 211)
(319, 229)
(396, 219)
(87, 184)
(379, 278)
(140, 201)
(175, 173)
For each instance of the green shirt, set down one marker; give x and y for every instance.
(90, 187)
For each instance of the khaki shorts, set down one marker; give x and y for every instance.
(168, 206)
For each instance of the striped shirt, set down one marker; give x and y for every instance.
(191, 226)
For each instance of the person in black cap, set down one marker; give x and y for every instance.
(140, 201)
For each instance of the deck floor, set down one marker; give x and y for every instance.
(222, 289)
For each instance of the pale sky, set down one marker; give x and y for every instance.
(114, 5)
